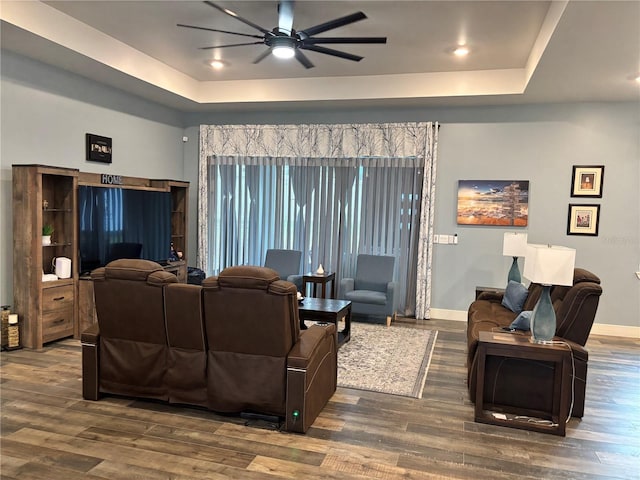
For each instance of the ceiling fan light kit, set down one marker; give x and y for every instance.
(285, 42)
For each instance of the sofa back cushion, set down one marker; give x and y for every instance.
(374, 272)
(575, 306)
(130, 309)
(251, 323)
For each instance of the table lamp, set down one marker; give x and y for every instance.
(547, 265)
(514, 245)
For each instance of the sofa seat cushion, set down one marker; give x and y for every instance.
(367, 296)
(485, 315)
(493, 313)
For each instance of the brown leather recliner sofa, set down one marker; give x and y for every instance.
(232, 345)
(528, 384)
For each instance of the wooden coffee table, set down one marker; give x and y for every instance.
(328, 310)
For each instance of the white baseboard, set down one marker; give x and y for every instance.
(597, 329)
(442, 314)
(615, 330)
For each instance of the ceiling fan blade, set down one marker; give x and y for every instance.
(343, 40)
(285, 16)
(262, 56)
(237, 17)
(331, 51)
(216, 30)
(338, 22)
(231, 45)
(302, 58)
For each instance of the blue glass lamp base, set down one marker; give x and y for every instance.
(543, 318)
(514, 273)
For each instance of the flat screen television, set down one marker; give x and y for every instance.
(122, 223)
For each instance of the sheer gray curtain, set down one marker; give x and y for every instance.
(337, 191)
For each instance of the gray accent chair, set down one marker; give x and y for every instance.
(287, 264)
(372, 291)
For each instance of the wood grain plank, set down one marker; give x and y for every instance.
(48, 427)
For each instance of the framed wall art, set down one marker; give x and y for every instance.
(586, 181)
(98, 148)
(583, 220)
(493, 202)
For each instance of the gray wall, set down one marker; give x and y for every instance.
(46, 112)
(539, 143)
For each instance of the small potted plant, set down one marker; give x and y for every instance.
(47, 231)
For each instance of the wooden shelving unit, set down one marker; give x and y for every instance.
(50, 310)
(179, 216)
(44, 195)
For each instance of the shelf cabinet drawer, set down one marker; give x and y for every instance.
(57, 324)
(57, 298)
(57, 312)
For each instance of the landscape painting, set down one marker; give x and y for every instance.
(493, 202)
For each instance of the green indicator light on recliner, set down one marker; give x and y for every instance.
(295, 414)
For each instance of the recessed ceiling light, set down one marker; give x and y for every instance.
(461, 51)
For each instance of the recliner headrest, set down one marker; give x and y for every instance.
(138, 270)
(246, 276)
(582, 275)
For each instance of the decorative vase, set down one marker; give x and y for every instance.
(46, 240)
(543, 318)
(514, 272)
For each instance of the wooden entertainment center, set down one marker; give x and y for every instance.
(44, 195)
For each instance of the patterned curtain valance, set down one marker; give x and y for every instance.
(332, 144)
(315, 141)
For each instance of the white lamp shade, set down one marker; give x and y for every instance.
(549, 265)
(514, 244)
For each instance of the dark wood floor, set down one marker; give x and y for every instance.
(50, 432)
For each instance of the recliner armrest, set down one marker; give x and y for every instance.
(296, 280)
(302, 352)
(491, 296)
(312, 370)
(391, 292)
(91, 334)
(90, 341)
(346, 285)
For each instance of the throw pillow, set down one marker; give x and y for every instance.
(514, 296)
(522, 321)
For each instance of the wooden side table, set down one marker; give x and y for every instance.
(519, 346)
(322, 280)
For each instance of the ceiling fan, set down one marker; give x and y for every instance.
(285, 42)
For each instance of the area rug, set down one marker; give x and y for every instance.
(392, 360)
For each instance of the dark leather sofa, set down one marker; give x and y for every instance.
(528, 384)
(232, 345)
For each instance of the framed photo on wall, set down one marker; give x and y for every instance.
(583, 219)
(586, 181)
(98, 148)
(493, 202)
